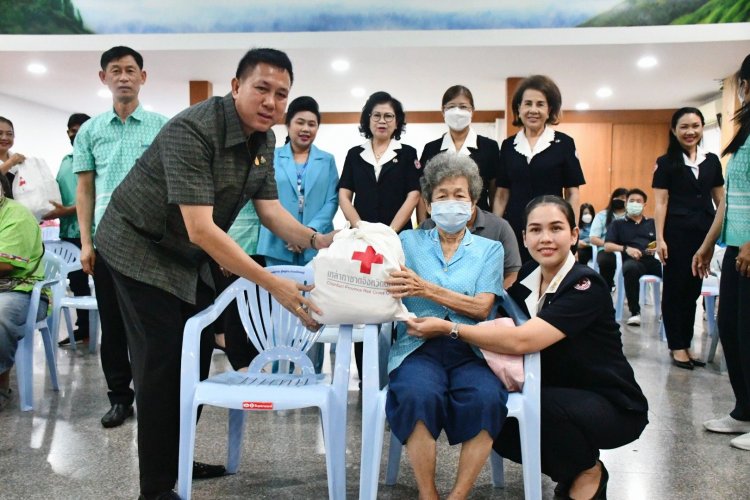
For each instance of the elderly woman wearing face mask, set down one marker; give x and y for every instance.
(443, 383)
(458, 107)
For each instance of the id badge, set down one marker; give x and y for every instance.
(300, 203)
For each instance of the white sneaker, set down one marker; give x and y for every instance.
(742, 442)
(634, 320)
(729, 425)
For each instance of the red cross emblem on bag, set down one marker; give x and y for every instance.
(367, 259)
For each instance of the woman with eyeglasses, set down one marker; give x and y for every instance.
(458, 108)
(537, 160)
(380, 178)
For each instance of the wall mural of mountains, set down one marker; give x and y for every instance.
(247, 16)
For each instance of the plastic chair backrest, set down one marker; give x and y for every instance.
(69, 254)
(276, 333)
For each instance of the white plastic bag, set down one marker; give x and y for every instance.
(350, 277)
(34, 186)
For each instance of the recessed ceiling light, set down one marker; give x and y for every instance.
(36, 68)
(104, 93)
(582, 106)
(646, 62)
(604, 92)
(358, 92)
(340, 65)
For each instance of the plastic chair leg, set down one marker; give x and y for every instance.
(24, 363)
(334, 456)
(373, 418)
(498, 473)
(656, 289)
(620, 297)
(187, 444)
(68, 323)
(236, 431)
(394, 461)
(531, 454)
(93, 330)
(49, 351)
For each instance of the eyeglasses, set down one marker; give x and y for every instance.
(462, 107)
(387, 117)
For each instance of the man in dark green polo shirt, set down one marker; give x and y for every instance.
(169, 217)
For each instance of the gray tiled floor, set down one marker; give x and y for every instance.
(61, 451)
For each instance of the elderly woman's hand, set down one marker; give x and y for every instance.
(406, 283)
(427, 328)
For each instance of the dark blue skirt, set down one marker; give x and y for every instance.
(447, 386)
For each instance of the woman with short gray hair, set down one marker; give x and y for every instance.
(443, 383)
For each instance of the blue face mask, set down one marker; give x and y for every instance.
(451, 216)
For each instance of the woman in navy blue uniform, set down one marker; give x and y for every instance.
(687, 183)
(458, 107)
(380, 179)
(537, 160)
(589, 397)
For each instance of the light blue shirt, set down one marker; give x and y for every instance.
(476, 267)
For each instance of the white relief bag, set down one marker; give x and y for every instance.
(34, 186)
(350, 277)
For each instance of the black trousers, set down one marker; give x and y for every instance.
(680, 289)
(240, 351)
(155, 321)
(632, 270)
(734, 331)
(607, 266)
(79, 285)
(585, 254)
(114, 349)
(575, 425)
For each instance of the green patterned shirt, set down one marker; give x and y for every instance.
(21, 244)
(736, 228)
(109, 147)
(68, 183)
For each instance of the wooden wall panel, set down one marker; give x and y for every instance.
(635, 148)
(594, 146)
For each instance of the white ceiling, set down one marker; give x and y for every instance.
(416, 67)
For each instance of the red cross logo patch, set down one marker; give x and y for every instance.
(367, 259)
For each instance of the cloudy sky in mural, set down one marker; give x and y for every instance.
(168, 16)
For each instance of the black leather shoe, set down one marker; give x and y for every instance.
(117, 415)
(167, 495)
(686, 365)
(207, 471)
(77, 335)
(698, 362)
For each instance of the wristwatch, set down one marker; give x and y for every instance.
(454, 331)
(624, 249)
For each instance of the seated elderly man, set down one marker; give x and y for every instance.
(444, 383)
(20, 267)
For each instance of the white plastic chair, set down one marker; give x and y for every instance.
(524, 406)
(70, 256)
(278, 335)
(25, 351)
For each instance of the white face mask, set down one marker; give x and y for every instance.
(586, 218)
(457, 119)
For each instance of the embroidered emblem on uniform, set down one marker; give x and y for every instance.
(417, 165)
(395, 160)
(584, 284)
(259, 160)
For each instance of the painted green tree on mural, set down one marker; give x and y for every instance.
(40, 17)
(662, 12)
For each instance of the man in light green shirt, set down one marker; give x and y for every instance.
(105, 149)
(69, 231)
(20, 267)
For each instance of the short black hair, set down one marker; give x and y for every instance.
(546, 86)
(117, 53)
(300, 104)
(382, 98)
(77, 119)
(273, 57)
(455, 91)
(638, 192)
